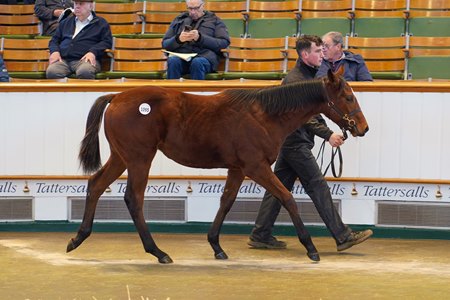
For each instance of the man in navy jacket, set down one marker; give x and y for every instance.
(79, 43)
(196, 31)
(335, 56)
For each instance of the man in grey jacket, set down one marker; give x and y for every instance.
(49, 11)
(196, 31)
(335, 56)
(296, 160)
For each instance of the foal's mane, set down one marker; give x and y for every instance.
(276, 100)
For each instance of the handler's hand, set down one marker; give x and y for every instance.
(54, 57)
(336, 139)
(89, 57)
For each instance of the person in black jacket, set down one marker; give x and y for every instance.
(296, 160)
(196, 31)
(49, 12)
(79, 43)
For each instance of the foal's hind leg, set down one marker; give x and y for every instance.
(265, 177)
(134, 198)
(234, 181)
(97, 184)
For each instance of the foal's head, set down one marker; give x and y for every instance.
(343, 108)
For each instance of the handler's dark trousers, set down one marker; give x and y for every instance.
(293, 163)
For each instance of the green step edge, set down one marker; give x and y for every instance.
(203, 227)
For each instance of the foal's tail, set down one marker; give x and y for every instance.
(89, 155)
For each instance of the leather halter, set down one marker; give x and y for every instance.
(351, 123)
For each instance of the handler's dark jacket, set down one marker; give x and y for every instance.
(355, 68)
(304, 136)
(44, 11)
(95, 37)
(213, 37)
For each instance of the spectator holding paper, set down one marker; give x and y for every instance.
(194, 41)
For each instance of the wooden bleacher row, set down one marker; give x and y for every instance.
(408, 57)
(264, 19)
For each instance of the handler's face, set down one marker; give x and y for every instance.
(314, 56)
(195, 9)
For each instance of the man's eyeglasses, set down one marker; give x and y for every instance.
(195, 8)
(328, 46)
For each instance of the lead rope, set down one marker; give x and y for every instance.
(334, 151)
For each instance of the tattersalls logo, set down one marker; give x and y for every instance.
(165, 188)
(339, 190)
(336, 189)
(218, 188)
(395, 192)
(7, 187)
(57, 188)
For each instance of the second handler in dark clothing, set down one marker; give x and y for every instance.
(296, 160)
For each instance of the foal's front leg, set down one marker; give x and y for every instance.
(234, 181)
(134, 199)
(265, 177)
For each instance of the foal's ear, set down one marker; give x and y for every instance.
(333, 77)
(340, 71)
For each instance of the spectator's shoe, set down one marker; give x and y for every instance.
(355, 238)
(271, 243)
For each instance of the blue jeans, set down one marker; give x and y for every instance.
(197, 67)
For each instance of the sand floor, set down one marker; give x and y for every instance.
(115, 266)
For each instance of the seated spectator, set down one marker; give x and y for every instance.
(195, 31)
(4, 76)
(335, 56)
(49, 12)
(79, 43)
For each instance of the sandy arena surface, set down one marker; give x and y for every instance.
(115, 266)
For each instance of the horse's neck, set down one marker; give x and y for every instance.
(291, 121)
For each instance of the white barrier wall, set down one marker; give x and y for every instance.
(408, 137)
(408, 140)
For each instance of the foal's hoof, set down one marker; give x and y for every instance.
(165, 260)
(221, 255)
(71, 246)
(313, 256)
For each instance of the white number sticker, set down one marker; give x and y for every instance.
(144, 108)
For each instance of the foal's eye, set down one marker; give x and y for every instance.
(349, 98)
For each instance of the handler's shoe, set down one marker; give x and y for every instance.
(271, 243)
(355, 238)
